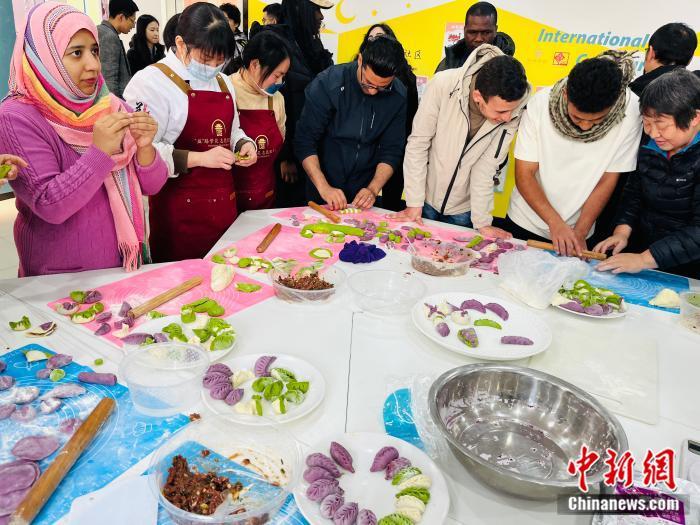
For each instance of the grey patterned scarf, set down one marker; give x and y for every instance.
(559, 113)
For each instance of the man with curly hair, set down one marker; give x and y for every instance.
(573, 142)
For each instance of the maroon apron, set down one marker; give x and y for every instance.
(255, 185)
(192, 211)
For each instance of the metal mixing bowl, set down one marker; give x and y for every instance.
(517, 428)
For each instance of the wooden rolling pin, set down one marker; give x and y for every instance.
(326, 213)
(264, 245)
(45, 486)
(163, 298)
(549, 246)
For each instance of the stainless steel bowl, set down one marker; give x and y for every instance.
(517, 428)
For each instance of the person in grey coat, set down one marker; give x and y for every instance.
(115, 66)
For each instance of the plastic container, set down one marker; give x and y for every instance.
(690, 311)
(331, 274)
(267, 461)
(165, 378)
(442, 259)
(385, 292)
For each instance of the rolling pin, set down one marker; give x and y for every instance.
(549, 246)
(265, 244)
(163, 298)
(45, 486)
(323, 211)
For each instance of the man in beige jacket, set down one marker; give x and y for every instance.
(459, 144)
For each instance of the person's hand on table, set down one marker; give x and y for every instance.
(493, 232)
(628, 263)
(247, 155)
(616, 242)
(14, 163)
(364, 199)
(334, 197)
(412, 214)
(288, 172)
(566, 241)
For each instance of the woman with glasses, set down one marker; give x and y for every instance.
(393, 189)
(199, 136)
(261, 109)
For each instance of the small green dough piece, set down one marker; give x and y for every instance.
(153, 314)
(4, 170)
(200, 308)
(258, 405)
(294, 396)
(57, 374)
(489, 323)
(36, 355)
(279, 405)
(307, 234)
(222, 341)
(248, 287)
(301, 386)
(273, 390)
(149, 341)
(261, 383)
(282, 374)
(325, 227)
(218, 259)
(475, 240)
(99, 362)
(404, 474)
(195, 304)
(468, 337)
(421, 494)
(78, 296)
(395, 519)
(245, 262)
(216, 325)
(215, 310)
(202, 334)
(98, 308)
(321, 253)
(21, 325)
(188, 315)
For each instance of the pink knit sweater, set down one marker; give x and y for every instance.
(64, 223)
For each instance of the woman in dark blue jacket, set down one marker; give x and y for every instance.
(659, 217)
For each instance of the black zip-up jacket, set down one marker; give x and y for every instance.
(349, 131)
(661, 203)
(456, 55)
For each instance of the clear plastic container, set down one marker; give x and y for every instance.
(385, 292)
(164, 379)
(442, 259)
(690, 311)
(331, 274)
(266, 461)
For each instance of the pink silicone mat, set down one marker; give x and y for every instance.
(139, 288)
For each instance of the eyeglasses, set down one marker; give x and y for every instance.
(380, 89)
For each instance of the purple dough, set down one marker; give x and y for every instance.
(321, 460)
(65, 391)
(574, 306)
(6, 410)
(312, 474)
(262, 365)
(341, 456)
(220, 368)
(366, 517)
(35, 448)
(212, 379)
(10, 501)
(3, 366)
(499, 310)
(346, 515)
(321, 488)
(103, 317)
(385, 456)
(25, 394)
(43, 373)
(234, 396)
(103, 329)
(160, 337)
(50, 405)
(98, 378)
(137, 338)
(473, 304)
(68, 426)
(442, 329)
(92, 297)
(393, 468)
(17, 475)
(58, 361)
(124, 310)
(220, 390)
(516, 340)
(24, 413)
(330, 504)
(6, 382)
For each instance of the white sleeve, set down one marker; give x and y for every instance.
(526, 144)
(236, 132)
(145, 91)
(625, 158)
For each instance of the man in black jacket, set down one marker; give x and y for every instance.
(659, 215)
(352, 130)
(480, 27)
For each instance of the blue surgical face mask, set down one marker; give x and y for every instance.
(203, 72)
(274, 88)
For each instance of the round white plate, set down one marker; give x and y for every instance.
(520, 322)
(369, 489)
(156, 325)
(611, 315)
(300, 368)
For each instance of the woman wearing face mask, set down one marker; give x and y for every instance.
(145, 47)
(198, 133)
(88, 158)
(261, 109)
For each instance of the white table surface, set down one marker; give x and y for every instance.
(364, 357)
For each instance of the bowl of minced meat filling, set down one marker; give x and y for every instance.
(308, 284)
(211, 473)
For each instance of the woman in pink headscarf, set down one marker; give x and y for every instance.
(89, 157)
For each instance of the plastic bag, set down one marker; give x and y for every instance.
(534, 276)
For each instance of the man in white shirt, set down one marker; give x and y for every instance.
(573, 142)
